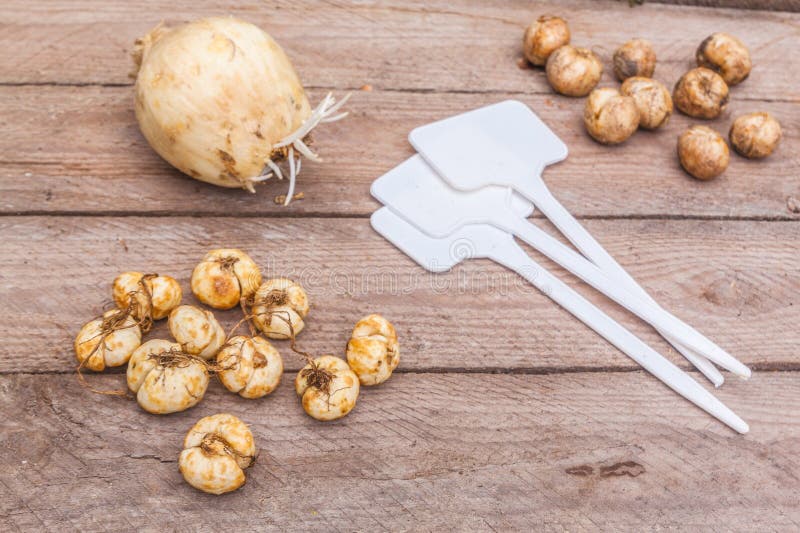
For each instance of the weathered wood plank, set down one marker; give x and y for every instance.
(422, 452)
(737, 281)
(427, 45)
(79, 150)
(443, 444)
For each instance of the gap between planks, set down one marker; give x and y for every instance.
(772, 366)
(397, 89)
(359, 216)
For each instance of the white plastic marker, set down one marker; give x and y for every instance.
(507, 144)
(483, 240)
(414, 191)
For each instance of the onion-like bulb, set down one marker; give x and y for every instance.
(220, 101)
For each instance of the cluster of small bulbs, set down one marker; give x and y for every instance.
(611, 116)
(169, 376)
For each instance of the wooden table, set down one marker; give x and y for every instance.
(506, 413)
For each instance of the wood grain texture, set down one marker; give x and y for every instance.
(738, 282)
(79, 150)
(505, 413)
(421, 452)
(420, 45)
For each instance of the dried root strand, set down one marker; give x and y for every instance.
(231, 361)
(318, 378)
(213, 443)
(328, 388)
(177, 358)
(331, 394)
(85, 384)
(116, 322)
(275, 297)
(278, 297)
(227, 262)
(143, 317)
(246, 319)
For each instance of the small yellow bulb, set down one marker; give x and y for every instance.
(373, 351)
(250, 367)
(223, 277)
(328, 389)
(196, 330)
(166, 379)
(279, 307)
(107, 341)
(216, 451)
